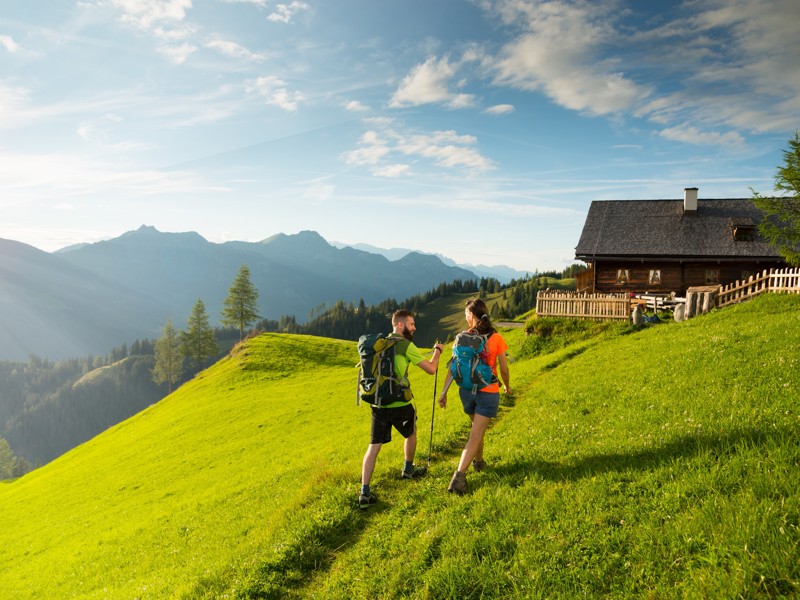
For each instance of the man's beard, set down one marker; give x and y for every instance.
(408, 334)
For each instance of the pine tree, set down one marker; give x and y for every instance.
(198, 342)
(7, 460)
(781, 225)
(168, 366)
(241, 305)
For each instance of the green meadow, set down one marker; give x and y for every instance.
(654, 463)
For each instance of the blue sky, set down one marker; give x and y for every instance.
(480, 130)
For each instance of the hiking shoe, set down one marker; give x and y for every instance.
(458, 483)
(414, 473)
(365, 501)
(478, 465)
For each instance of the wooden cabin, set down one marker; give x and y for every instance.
(665, 246)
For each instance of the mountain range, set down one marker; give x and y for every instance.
(88, 298)
(503, 273)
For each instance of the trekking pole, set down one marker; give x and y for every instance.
(433, 406)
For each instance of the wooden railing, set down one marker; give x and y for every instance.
(599, 307)
(774, 280)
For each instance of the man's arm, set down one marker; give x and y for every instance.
(432, 365)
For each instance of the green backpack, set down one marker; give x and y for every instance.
(377, 383)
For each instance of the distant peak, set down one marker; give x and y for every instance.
(143, 230)
(307, 238)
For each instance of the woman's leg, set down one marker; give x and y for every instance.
(479, 453)
(475, 442)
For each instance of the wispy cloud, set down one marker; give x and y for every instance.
(391, 171)
(7, 42)
(428, 83)
(162, 19)
(692, 135)
(67, 176)
(500, 109)
(177, 54)
(14, 99)
(284, 13)
(256, 2)
(586, 57)
(100, 133)
(276, 93)
(232, 49)
(379, 150)
(559, 53)
(356, 106)
(146, 14)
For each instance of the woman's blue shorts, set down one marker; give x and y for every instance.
(480, 403)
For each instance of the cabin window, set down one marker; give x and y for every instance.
(623, 276)
(712, 276)
(743, 233)
(655, 277)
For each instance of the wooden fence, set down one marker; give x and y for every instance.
(577, 305)
(774, 280)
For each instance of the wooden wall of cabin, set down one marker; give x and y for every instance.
(657, 278)
(722, 273)
(666, 277)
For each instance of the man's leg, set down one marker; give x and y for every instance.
(368, 465)
(410, 447)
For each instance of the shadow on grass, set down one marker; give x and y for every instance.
(320, 527)
(642, 460)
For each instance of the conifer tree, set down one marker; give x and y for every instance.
(197, 342)
(168, 366)
(7, 460)
(241, 305)
(781, 225)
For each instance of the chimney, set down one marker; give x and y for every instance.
(690, 200)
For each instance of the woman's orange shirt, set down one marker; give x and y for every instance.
(494, 345)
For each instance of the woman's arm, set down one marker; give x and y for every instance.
(443, 396)
(505, 375)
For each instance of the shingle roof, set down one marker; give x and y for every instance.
(660, 228)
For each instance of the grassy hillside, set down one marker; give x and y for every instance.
(661, 463)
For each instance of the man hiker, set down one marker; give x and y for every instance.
(399, 414)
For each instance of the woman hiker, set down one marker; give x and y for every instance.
(480, 405)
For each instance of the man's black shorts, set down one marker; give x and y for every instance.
(403, 418)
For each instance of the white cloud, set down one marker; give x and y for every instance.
(390, 171)
(232, 49)
(356, 106)
(9, 44)
(276, 93)
(177, 54)
(379, 150)
(256, 2)
(559, 55)
(691, 135)
(428, 84)
(675, 69)
(284, 13)
(500, 109)
(144, 14)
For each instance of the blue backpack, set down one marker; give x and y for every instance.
(467, 366)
